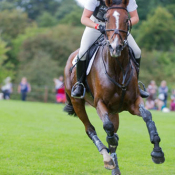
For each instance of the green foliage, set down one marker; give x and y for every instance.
(171, 9)
(46, 20)
(158, 66)
(3, 50)
(5, 69)
(43, 57)
(12, 23)
(34, 8)
(145, 7)
(4, 5)
(158, 31)
(66, 7)
(72, 18)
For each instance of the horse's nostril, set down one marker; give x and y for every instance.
(119, 48)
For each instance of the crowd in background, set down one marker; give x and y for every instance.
(24, 88)
(159, 96)
(156, 101)
(7, 89)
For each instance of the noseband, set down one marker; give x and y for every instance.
(117, 31)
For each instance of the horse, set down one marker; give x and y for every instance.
(113, 85)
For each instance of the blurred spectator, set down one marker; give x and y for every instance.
(172, 105)
(7, 88)
(60, 90)
(160, 102)
(163, 89)
(152, 89)
(23, 88)
(150, 103)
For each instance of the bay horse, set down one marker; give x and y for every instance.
(114, 88)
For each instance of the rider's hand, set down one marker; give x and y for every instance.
(101, 28)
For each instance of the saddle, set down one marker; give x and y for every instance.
(93, 49)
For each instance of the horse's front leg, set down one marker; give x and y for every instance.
(79, 108)
(110, 129)
(114, 118)
(157, 153)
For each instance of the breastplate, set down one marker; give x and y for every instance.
(100, 11)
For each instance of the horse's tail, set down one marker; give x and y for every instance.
(69, 107)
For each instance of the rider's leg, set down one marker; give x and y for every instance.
(137, 53)
(90, 35)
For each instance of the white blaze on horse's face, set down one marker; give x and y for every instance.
(115, 42)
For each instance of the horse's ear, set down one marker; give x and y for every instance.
(108, 3)
(126, 2)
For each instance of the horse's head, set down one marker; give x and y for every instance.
(117, 22)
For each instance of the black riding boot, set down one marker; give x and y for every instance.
(143, 94)
(78, 90)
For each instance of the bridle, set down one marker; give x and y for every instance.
(118, 31)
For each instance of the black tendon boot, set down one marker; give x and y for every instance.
(143, 93)
(78, 90)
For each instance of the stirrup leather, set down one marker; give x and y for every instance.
(139, 82)
(84, 91)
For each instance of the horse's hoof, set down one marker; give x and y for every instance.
(116, 171)
(158, 156)
(109, 165)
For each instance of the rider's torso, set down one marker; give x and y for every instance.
(100, 11)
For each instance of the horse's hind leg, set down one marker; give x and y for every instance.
(79, 108)
(157, 153)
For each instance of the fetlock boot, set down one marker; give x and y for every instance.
(78, 90)
(143, 93)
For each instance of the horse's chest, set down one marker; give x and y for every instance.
(119, 102)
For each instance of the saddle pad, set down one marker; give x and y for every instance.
(74, 61)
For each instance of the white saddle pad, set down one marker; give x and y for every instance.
(74, 61)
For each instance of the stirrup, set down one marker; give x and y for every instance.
(139, 82)
(74, 87)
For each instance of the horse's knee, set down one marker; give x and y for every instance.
(109, 128)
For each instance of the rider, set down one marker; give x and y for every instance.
(93, 19)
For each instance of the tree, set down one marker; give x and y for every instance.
(4, 5)
(46, 20)
(72, 18)
(5, 69)
(158, 31)
(145, 7)
(158, 65)
(34, 8)
(12, 23)
(66, 7)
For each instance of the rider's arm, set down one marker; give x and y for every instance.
(134, 17)
(85, 19)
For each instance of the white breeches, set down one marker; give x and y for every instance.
(90, 35)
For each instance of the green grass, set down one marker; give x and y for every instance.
(40, 139)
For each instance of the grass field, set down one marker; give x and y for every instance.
(40, 139)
